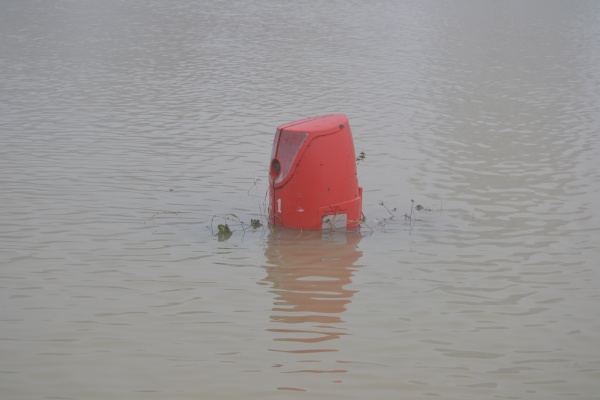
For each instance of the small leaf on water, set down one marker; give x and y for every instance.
(223, 236)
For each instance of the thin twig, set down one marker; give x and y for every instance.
(381, 203)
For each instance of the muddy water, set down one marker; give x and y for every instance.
(131, 129)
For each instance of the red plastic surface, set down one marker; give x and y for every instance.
(312, 179)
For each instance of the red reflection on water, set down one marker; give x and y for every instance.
(308, 273)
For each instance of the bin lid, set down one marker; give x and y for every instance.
(317, 126)
(292, 138)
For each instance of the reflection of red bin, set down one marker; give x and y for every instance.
(312, 179)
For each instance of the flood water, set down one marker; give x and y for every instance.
(131, 129)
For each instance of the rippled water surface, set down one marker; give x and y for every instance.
(131, 129)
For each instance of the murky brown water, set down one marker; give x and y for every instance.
(127, 125)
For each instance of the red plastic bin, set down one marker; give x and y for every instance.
(312, 178)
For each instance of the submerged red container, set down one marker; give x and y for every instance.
(312, 178)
